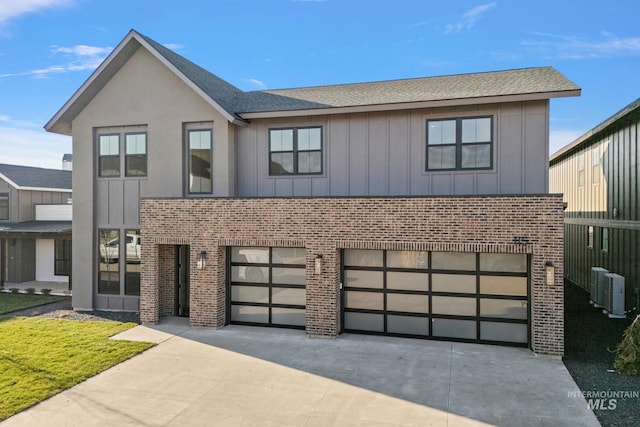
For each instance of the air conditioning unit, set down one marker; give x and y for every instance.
(597, 286)
(614, 296)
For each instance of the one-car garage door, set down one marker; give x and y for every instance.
(267, 286)
(474, 297)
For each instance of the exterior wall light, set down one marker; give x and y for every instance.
(551, 272)
(318, 264)
(202, 260)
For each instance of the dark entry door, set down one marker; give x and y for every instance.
(182, 281)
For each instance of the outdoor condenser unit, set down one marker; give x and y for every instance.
(596, 286)
(614, 296)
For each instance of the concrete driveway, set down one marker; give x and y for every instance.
(243, 376)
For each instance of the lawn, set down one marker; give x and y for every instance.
(41, 357)
(15, 302)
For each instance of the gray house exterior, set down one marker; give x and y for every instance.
(35, 224)
(598, 175)
(415, 207)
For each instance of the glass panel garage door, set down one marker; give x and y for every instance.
(267, 286)
(476, 297)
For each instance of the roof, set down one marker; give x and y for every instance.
(32, 178)
(49, 227)
(239, 106)
(618, 119)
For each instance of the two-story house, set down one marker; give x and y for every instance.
(414, 207)
(35, 225)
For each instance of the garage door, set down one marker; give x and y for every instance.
(474, 297)
(267, 286)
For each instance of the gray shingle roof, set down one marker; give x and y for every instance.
(27, 176)
(36, 227)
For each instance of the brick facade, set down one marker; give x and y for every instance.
(324, 226)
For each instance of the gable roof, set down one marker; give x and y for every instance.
(39, 179)
(238, 106)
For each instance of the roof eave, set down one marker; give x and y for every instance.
(411, 105)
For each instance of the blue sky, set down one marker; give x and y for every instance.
(48, 48)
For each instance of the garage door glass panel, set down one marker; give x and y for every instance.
(250, 294)
(454, 328)
(289, 296)
(453, 261)
(504, 308)
(362, 258)
(288, 316)
(288, 276)
(454, 306)
(253, 255)
(408, 303)
(499, 331)
(363, 279)
(503, 285)
(289, 256)
(250, 274)
(250, 314)
(364, 322)
(461, 283)
(407, 259)
(513, 263)
(407, 325)
(408, 281)
(364, 300)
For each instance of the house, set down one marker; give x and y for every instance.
(415, 207)
(598, 174)
(35, 225)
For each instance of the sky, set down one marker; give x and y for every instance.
(48, 48)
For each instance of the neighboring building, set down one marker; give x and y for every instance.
(35, 224)
(598, 175)
(415, 207)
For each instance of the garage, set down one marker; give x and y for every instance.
(266, 286)
(461, 296)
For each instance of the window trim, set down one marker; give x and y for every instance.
(129, 289)
(197, 127)
(6, 196)
(100, 262)
(100, 156)
(458, 143)
(58, 258)
(295, 151)
(590, 234)
(121, 132)
(581, 174)
(145, 155)
(604, 239)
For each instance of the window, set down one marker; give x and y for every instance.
(604, 235)
(581, 170)
(295, 151)
(590, 237)
(135, 162)
(109, 262)
(4, 206)
(109, 155)
(199, 161)
(595, 165)
(459, 143)
(132, 269)
(62, 257)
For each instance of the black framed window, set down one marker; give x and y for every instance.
(459, 143)
(109, 261)
(295, 151)
(604, 239)
(109, 155)
(199, 159)
(135, 160)
(132, 268)
(590, 237)
(4, 206)
(62, 257)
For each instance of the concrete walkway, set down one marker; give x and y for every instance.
(275, 377)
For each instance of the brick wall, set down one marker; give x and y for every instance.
(324, 226)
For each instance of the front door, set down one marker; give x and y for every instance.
(182, 281)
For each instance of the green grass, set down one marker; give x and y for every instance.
(40, 357)
(14, 302)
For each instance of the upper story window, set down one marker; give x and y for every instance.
(4, 206)
(295, 151)
(110, 147)
(459, 144)
(199, 159)
(595, 165)
(581, 170)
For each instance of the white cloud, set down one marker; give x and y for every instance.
(10, 9)
(82, 50)
(573, 47)
(469, 18)
(173, 46)
(33, 147)
(260, 85)
(560, 138)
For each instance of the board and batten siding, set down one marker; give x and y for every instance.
(378, 154)
(607, 198)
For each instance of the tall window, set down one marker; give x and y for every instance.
(604, 239)
(62, 256)
(132, 271)
(295, 151)
(109, 262)
(109, 155)
(135, 162)
(199, 160)
(595, 165)
(4, 206)
(462, 143)
(590, 237)
(581, 170)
